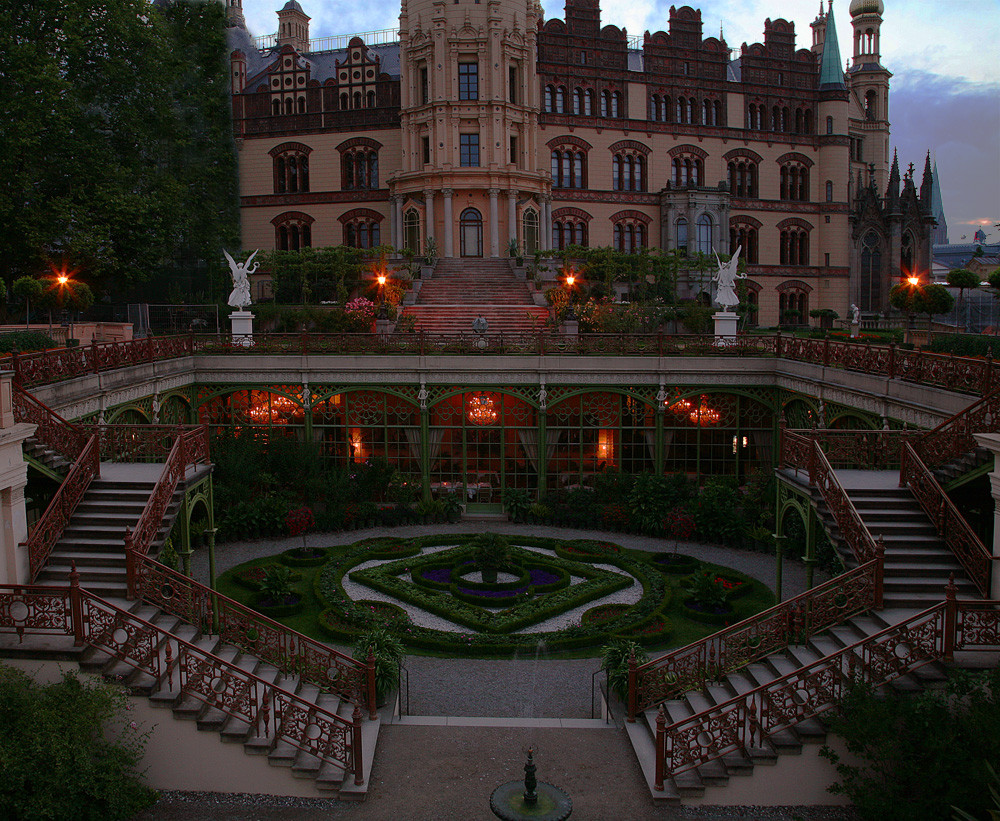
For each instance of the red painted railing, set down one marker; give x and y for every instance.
(743, 722)
(50, 526)
(137, 443)
(58, 435)
(190, 448)
(849, 449)
(954, 437)
(272, 642)
(793, 620)
(961, 374)
(267, 710)
(951, 526)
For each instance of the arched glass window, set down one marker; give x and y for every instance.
(560, 100)
(704, 234)
(605, 104)
(682, 235)
(829, 125)
(871, 273)
(829, 191)
(616, 99)
(411, 230)
(549, 94)
(577, 101)
(471, 233)
(530, 230)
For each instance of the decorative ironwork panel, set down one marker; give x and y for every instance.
(51, 429)
(977, 625)
(34, 610)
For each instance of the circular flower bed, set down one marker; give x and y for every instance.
(252, 576)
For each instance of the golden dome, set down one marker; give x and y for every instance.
(867, 7)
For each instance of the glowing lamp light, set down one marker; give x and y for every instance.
(63, 279)
(913, 280)
(381, 280)
(482, 410)
(570, 280)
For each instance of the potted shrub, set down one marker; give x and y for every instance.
(452, 507)
(516, 502)
(277, 598)
(491, 553)
(387, 651)
(614, 661)
(705, 594)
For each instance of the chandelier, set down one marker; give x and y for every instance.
(482, 409)
(705, 415)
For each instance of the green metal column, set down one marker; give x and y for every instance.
(543, 461)
(425, 453)
(658, 441)
(810, 557)
(307, 407)
(185, 551)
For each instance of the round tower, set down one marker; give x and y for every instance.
(469, 108)
(869, 85)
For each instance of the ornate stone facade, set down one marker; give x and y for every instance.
(481, 124)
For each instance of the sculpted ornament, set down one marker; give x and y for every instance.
(726, 276)
(240, 272)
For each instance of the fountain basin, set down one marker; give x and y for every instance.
(507, 802)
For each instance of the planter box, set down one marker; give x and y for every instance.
(426, 271)
(520, 272)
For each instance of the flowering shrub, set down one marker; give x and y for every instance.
(361, 307)
(615, 515)
(298, 521)
(679, 525)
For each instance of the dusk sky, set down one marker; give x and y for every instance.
(944, 56)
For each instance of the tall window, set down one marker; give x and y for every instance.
(704, 234)
(291, 171)
(829, 190)
(682, 235)
(569, 168)
(628, 171)
(588, 102)
(468, 81)
(687, 171)
(794, 248)
(424, 85)
(469, 150)
(743, 178)
(411, 230)
(605, 103)
(560, 100)
(616, 104)
(871, 273)
(362, 232)
(629, 236)
(744, 236)
(568, 230)
(359, 168)
(512, 83)
(530, 225)
(292, 231)
(550, 93)
(794, 182)
(578, 101)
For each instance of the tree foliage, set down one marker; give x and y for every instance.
(67, 750)
(117, 153)
(921, 299)
(919, 755)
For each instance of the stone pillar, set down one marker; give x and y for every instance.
(511, 216)
(991, 441)
(494, 223)
(449, 246)
(13, 478)
(429, 209)
(398, 216)
(546, 223)
(393, 236)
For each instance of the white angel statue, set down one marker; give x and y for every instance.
(726, 276)
(240, 272)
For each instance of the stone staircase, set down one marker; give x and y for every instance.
(693, 783)
(328, 777)
(463, 289)
(95, 537)
(964, 468)
(45, 459)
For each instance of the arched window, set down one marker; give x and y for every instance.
(751, 116)
(743, 235)
(692, 111)
(829, 190)
(568, 230)
(794, 246)
(359, 168)
(530, 221)
(793, 303)
(578, 101)
(906, 254)
(681, 111)
(708, 113)
(704, 234)
(301, 105)
(588, 102)
(411, 230)
(371, 99)
(829, 125)
(871, 101)
(687, 171)
(605, 103)
(549, 99)
(629, 234)
(870, 296)
(568, 166)
(471, 233)
(291, 168)
(276, 107)
(794, 182)
(560, 100)
(616, 104)
(292, 231)
(628, 170)
(682, 235)
(288, 105)
(743, 178)
(361, 229)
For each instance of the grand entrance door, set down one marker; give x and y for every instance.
(471, 231)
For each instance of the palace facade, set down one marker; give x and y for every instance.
(481, 124)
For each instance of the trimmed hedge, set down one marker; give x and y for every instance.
(294, 557)
(279, 611)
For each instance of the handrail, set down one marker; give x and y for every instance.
(745, 720)
(954, 436)
(948, 521)
(50, 526)
(731, 648)
(136, 443)
(859, 449)
(266, 708)
(961, 374)
(269, 640)
(60, 436)
(139, 540)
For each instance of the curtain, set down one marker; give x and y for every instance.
(413, 440)
(529, 441)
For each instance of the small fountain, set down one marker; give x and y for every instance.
(530, 799)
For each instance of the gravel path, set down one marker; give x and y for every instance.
(530, 687)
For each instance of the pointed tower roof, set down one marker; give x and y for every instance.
(937, 203)
(892, 191)
(830, 74)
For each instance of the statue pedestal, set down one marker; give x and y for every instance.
(725, 327)
(855, 330)
(242, 324)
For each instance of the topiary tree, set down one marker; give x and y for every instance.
(28, 289)
(962, 278)
(68, 750)
(934, 300)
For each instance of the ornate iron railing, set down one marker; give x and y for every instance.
(792, 620)
(745, 721)
(962, 374)
(267, 710)
(50, 526)
(139, 443)
(852, 528)
(951, 526)
(853, 449)
(268, 640)
(58, 435)
(954, 437)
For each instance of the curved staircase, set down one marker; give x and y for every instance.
(463, 289)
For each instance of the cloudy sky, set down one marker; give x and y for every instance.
(944, 57)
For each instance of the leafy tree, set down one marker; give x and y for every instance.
(934, 299)
(67, 750)
(962, 278)
(28, 289)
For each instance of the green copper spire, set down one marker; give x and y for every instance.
(830, 74)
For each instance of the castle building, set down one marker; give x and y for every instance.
(481, 124)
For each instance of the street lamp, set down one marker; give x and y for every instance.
(383, 309)
(570, 282)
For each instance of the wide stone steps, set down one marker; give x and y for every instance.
(166, 692)
(455, 320)
(693, 783)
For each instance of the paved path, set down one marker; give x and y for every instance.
(531, 686)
